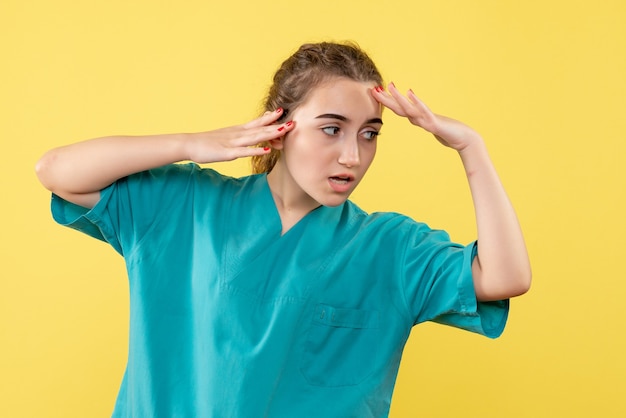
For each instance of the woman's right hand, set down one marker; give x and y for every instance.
(239, 141)
(77, 172)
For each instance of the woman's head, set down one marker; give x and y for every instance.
(309, 67)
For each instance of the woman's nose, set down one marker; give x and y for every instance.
(350, 154)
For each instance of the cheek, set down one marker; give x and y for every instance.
(368, 152)
(303, 145)
(299, 152)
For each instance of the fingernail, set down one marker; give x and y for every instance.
(282, 128)
(392, 85)
(266, 148)
(379, 88)
(289, 123)
(280, 109)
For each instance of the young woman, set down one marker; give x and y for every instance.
(273, 295)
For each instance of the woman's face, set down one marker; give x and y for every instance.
(332, 144)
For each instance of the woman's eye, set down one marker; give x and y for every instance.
(331, 130)
(371, 135)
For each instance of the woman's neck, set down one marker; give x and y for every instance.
(291, 201)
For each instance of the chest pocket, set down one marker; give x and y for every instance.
(341, 347)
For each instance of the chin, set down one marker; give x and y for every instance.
(334, 201)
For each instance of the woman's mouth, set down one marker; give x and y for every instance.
(340, 180)
(341, 184)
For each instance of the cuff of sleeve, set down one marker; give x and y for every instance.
(486, 318)
(87, 221)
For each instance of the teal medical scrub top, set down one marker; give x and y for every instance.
(229, 318)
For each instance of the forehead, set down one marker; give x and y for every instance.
(342, 96)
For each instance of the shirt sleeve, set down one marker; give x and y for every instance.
(439, 285)
(130, 207)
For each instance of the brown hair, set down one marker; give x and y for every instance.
(307, 68)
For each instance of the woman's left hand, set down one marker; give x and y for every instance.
(449, 132)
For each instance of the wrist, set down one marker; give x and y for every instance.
(187, 145)
(475, 157)
(471, 143)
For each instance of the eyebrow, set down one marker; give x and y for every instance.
(344, 119)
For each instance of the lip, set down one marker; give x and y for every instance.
(341, 183)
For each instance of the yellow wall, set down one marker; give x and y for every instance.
(543, 81)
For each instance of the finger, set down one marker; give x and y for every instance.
(387, 100)
(256, 151)
(400, 98)
(256, 136)
(266, 119)
(425, 117)
(417, 112)
(418, 102)
(244, 152)
(412, 97)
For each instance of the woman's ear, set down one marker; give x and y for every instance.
(276, 143)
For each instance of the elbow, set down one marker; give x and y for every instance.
(524, 278)
(520, 284)
(45, 169)
(528, 281)
(42, 170)
(503, 285)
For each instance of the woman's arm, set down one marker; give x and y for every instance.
(501, 269)
(79, 171)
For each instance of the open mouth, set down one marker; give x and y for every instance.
(341, 180)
